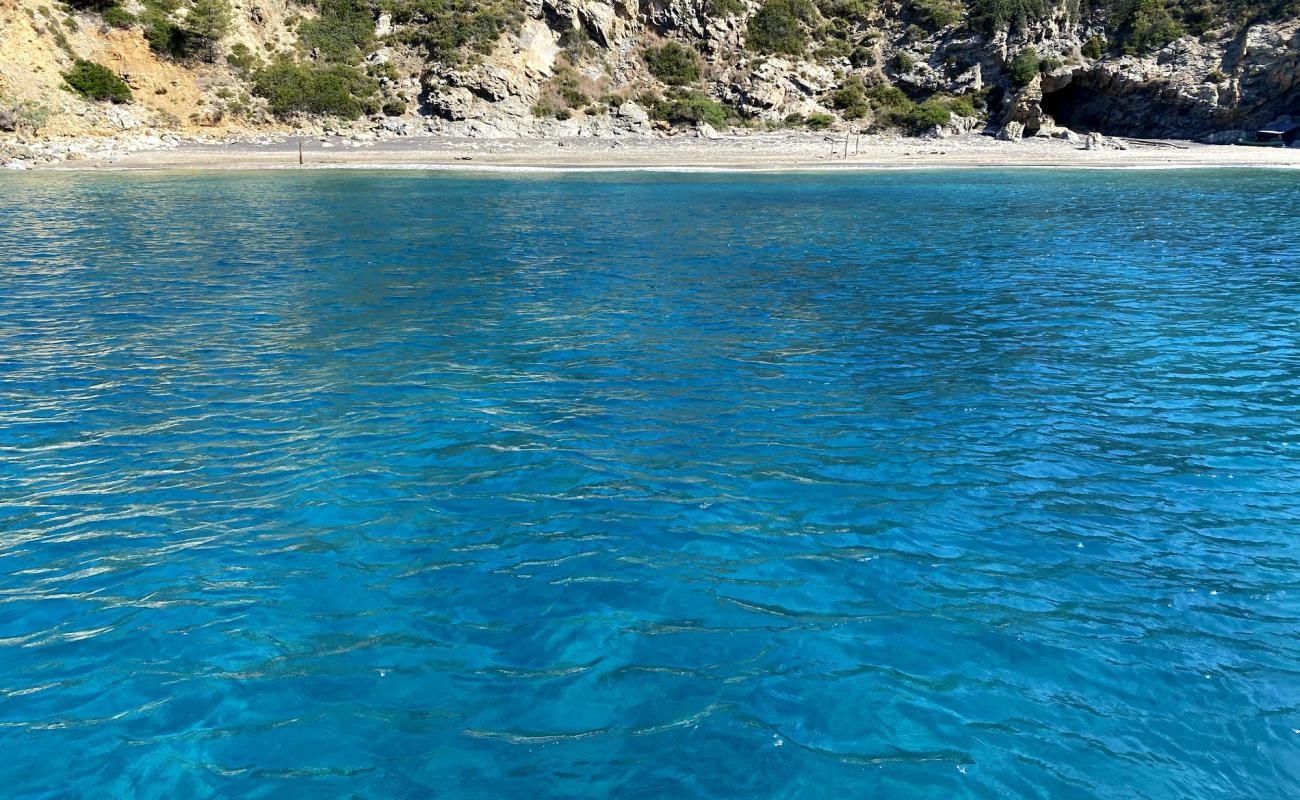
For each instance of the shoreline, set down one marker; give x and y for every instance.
(751, 153)
(578, 169)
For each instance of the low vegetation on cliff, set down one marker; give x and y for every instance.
(905, 65)
(97, 82)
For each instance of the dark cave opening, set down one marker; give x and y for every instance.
(1080, 109)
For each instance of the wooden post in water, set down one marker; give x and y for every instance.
(300, 151)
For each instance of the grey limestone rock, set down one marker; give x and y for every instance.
(1012, 132)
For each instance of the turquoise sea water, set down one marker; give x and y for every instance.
(403, 485)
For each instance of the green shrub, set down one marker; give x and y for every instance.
(1050, 64)
(449, 29)
(847, 10)
(778, 26)
(1217, 76)
(165, 37)
(343, 30)
(394, 108)
(209, 19)
(205, 24)
(568, 85)
(833, 50)
(919, 118)
(862, 57)
(937, 14)
(1199, 19)
(384, 70)
(563, 93)
(820, 122)
(118, 17)
(22, 115)
(547, 107)
(1143, 26)
(851, 98)
(998, 15)
(337, 90)
(894, 109)
(97, 82)
(887, 96)
(692, 107)
(927, 115)
(724, 8)
(673, 64)
(903, 62)
(241, 58)
(961, 106)
(1023, 67)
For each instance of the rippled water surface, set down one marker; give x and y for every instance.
(907, 485)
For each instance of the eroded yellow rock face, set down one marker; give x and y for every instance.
(40, 39)
(166, 89)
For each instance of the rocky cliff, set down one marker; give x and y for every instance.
(589, 67)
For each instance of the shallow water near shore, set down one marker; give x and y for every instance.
(399, 484)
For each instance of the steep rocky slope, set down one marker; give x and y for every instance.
(591, 67)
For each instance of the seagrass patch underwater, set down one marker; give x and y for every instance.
(964, 484)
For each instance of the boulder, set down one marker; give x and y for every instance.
(763, 94)
(629, 118)
(1011, 132)
(454, 103)
(632, 112)
(1048, 129)
(490, 82)
(1095, 141)
(959, 125)
(396, 126)
(120, 118)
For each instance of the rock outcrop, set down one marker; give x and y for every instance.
(578, 68)
(1189, 89)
